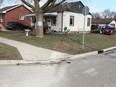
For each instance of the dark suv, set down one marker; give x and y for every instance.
(95, 28)
(16, 26)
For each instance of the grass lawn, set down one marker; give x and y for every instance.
(69, 44)
(9, 53)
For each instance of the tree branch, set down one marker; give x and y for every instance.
(60, 2)
(53, 5)
(46, 4)
(28, 4)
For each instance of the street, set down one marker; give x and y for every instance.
(94, 71)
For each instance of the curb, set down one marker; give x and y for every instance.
(108, 49)
(84, 55)
(53, 61)
(26, 62)
(92, 53)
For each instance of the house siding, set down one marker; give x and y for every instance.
(13, 15)
(78, 22)
(113, 22)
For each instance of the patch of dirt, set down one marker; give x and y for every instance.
(61, 46)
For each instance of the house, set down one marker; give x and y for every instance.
(14, 13)
(67, 15)
(104, 22)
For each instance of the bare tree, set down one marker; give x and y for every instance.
(96, 15)
(1, 1)
(108, 14)
(39, 10)
(112, 14)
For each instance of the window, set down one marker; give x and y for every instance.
(79, 6)
(53, 20)
(21, 17)
(71, 20)
(88, 21)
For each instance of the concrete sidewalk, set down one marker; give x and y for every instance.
(30, 52)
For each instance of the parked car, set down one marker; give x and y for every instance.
(108, 30)
(16, 26)
(95, 29)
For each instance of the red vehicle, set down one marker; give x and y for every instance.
(108, 30)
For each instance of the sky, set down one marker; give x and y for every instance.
(100, 5)
(94, 5)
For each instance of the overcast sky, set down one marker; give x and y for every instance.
(94, 5)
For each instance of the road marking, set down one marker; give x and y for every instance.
(91, 72)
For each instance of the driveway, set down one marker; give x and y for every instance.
(30, 52)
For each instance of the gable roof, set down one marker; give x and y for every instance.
(8, 8)
(102, 21)
(71, 7)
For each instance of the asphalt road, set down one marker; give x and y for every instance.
(94, 71)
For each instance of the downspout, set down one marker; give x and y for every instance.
(62, 21)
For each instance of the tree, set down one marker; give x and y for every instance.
(108, 14)
(96, 15)
(39, 10)
(1, 1)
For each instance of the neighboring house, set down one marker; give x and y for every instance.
(67, 15)
(104, 22)
(14, 13)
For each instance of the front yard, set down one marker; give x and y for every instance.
(68, 44)
(9, 53)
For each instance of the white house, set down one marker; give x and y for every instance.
(104, 22)
(67, 15)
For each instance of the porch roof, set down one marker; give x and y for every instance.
(45, 14)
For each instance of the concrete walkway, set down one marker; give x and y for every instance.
(30, 52)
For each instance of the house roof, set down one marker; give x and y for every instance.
(72, 7)
(8, 8)
(102, 21)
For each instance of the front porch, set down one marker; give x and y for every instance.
(51, 22)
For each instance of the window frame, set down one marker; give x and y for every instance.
(21, 17)
(52, 20)
(71, 23)
(88, 22)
